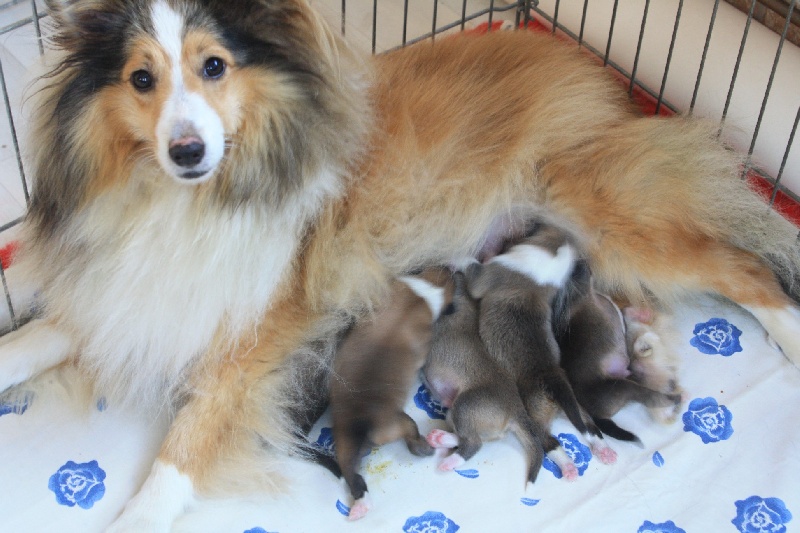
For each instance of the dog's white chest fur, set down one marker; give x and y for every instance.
(159, 279)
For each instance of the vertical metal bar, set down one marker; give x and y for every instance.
(435, 13)
(13, 133)
(736, 67)
(344, 9)
(463, 14)
(491, 16)
(14, 324)
(374, 24)
(611, 32)
(771, 79)
(527, 7)
(669, 57)
(638, 47)
(35, 14)
(583, 22)
(555, 16)
(703, 57)
(785, 158)
(405, 21)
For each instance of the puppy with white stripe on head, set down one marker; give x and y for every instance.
(517, 290)
(375, 368)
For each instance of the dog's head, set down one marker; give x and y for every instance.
(186, 86)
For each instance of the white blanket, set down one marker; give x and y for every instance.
(730, 462)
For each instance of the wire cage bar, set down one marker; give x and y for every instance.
(448, 16)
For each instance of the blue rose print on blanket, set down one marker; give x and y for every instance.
(325, 441)
(425, 401)
(430, 522)
(78, 484)
(577, 451)
(257, 530)
(709, 420)
(717, 336)
(761, 515)
(17, 405)
(666, 527)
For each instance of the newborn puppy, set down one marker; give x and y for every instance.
(481, 396)
(653, 363)
(517, 290)
(375, 368)
(594, 354)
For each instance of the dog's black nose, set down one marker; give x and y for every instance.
(187, 153)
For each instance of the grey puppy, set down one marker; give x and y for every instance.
(517, 290)
(594, 354)
(374, 369)
(481, 395)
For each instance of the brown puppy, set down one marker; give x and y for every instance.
(594, 354)
(517, 290)
(374, 370)
(481, 395)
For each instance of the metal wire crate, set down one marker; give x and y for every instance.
(625, 37)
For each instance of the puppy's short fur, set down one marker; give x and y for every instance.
(481, 396)
(373, 372)
(517, 290)
(594, 355)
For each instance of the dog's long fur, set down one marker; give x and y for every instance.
(326, 175)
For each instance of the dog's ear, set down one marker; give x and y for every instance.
(75, 21)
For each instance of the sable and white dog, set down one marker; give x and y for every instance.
(220, 185)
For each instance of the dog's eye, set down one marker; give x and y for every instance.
(214, 67)
(142, 80)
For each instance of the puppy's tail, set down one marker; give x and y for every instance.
(350, 446)
(610, 428)
(531, 436)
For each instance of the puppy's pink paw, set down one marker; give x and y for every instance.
(606, 455)
(358, 510)
(451, 462)
(569, 472)
(439, 438)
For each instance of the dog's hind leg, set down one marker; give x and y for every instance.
(29, 351)
(746, 280)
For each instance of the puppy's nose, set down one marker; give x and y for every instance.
(187, 152)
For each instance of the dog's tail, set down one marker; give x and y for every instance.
(674, 187)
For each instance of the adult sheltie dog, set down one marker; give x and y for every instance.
(220, 186)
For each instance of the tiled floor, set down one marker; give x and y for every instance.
(19, 54)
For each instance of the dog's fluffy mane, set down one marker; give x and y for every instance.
(102, 207)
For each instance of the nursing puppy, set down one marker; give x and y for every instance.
(594, 355)
(481, 396)
(373, 372)
(517, 291)
(221, 187)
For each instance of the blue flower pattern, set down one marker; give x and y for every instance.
(665, 527)
(424, 400)
(709, 420)
(430, 522)
(658, 459)
(78, 484)
(761, 515)
(470, 473)
(717, 336)
(530, 502)
(577, 451)
(17, 406)
(325, 441)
